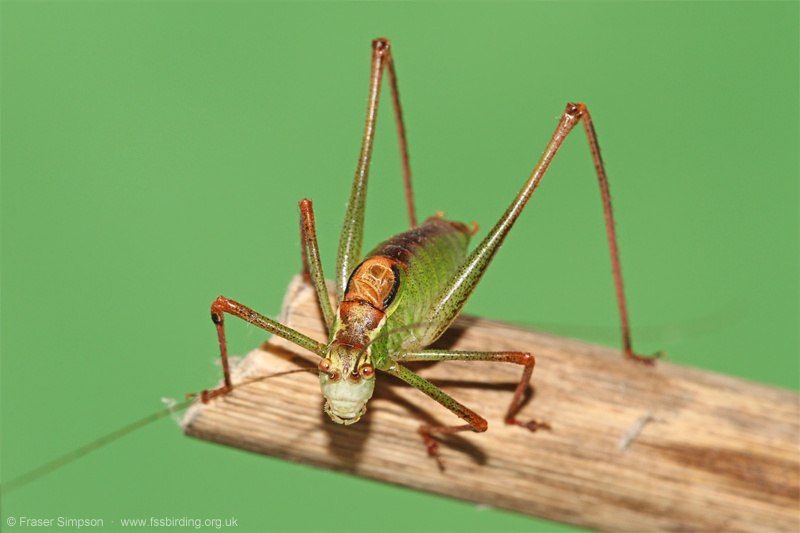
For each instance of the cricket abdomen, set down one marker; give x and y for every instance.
(428, 255)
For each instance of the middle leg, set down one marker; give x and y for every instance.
(520, 358)
(475, 422)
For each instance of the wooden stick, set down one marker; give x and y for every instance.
(668, 448)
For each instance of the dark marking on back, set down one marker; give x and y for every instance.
(402, 246)
(395, 286)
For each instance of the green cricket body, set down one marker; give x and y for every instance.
(396, 285)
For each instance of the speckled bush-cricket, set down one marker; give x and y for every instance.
(400, 297)
(397, 299)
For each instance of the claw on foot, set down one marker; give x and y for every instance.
(532, 425)
(644, 359)
(207, 395)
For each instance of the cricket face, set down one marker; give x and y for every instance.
(346, 383)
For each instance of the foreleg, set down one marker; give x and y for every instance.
(224, 305)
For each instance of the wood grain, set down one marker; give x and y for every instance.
(668, 448)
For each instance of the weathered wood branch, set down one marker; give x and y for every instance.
(668, 448)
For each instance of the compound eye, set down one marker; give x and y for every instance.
(367, 371)
(325, 366)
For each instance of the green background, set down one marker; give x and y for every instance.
(153, 155)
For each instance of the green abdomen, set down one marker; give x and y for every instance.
(428, 255)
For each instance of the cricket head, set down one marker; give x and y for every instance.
(347, 379)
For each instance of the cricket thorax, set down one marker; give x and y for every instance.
(374, 282)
